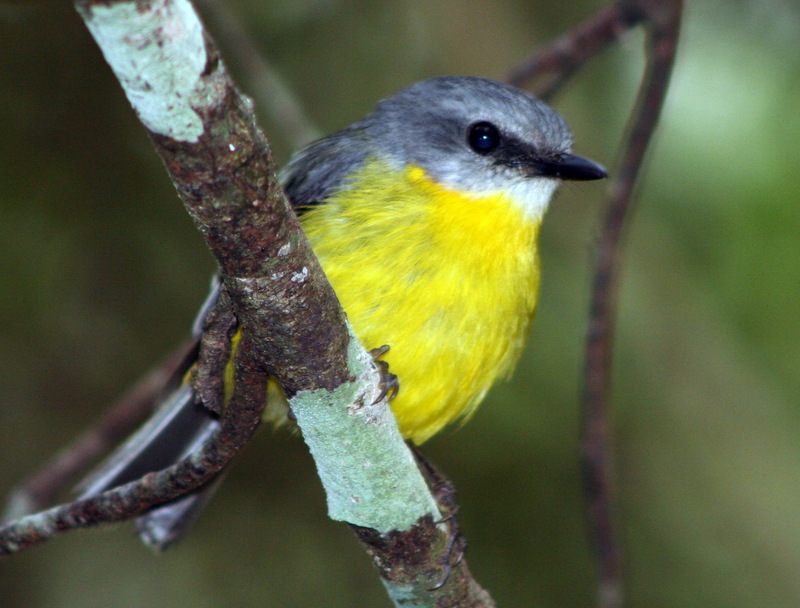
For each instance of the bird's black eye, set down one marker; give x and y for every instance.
(483, 137)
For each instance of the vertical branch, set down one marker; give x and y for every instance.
(549, 69)
(662, 21)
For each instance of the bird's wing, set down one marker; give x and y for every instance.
(318, 170)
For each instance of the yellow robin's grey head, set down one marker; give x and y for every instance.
(471, 135)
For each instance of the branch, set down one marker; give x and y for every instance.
(549, 68)
(293, 327)
(268, 88)
(559, 61)
(42, 488)
(663, 20)
(136, 497)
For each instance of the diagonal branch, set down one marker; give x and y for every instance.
(41, 489)
(293, 328)
(549, 68)
(136, 497)
(269, 90)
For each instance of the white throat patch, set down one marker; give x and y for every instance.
(533, 195)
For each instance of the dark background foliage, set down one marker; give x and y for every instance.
(102, 272)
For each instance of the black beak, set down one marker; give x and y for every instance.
(571, 167)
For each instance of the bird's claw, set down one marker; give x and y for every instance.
(445, 494)
(389, 384)
(456, 544)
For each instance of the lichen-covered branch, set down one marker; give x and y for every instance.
(293, 327)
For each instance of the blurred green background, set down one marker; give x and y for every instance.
(102, 273)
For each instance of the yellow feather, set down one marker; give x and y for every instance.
(448, 280)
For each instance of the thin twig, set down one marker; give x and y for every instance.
(550, 68)
(42, 488)
(663, 25)
(242, 417)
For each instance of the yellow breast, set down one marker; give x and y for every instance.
(448, 280)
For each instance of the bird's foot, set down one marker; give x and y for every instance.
(389, 384)
(444, 491)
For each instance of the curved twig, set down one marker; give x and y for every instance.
(42, 488)
(663, 26)
(242, 417)
(551, 67)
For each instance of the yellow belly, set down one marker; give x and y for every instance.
(448, 281)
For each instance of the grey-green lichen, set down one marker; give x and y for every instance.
(161, 80)
(370, 477)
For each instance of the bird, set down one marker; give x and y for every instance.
(425, 217)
